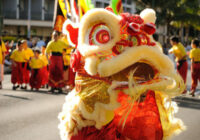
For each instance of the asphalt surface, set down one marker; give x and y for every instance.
(26, 115)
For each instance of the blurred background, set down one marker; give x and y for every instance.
(33, 19)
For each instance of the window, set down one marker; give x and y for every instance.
(106, 5)
(98, 4)
(49, 9)
(129, 2)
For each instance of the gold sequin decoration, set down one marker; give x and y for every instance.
(92, 91)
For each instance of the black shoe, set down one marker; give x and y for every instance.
(14, 87)
(25, 87)
(0, 85)
(47, 86)
(51, 90)
(17, 86)
(60, 90)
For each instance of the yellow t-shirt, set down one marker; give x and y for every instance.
(28, 54)
(2, 50)
(44, 59)
(66, 59)
(195, 54)
(36, 63)
(56, 46)
(18, 56)
(179, 51)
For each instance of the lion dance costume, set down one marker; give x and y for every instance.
(124, 83)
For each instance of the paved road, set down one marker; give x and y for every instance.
(189, 112)
(26, 115)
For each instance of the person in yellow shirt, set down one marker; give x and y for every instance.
(36, 64)
(66, 59)
(195, 67)
(181, 57)
(26, 70)
(2, 58)
(18, 58)
(45, 69)
(55, 49)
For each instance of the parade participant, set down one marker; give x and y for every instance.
(26, 70)
(124, 83)
(181, 57)
(2, 58)
(55, 49)
(66, 59)
(17, 58)
(36, 64)
(45, 69)
(195, 67)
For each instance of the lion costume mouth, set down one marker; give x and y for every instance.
(150, 70)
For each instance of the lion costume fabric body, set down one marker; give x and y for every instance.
(124, 83)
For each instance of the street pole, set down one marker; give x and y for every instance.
(29, 20)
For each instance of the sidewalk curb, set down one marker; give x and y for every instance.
(193, 99)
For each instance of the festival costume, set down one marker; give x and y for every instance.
(26, 70)
(45, 70)
(123, 82)
(17, 70)
(2, 50)
(56, 79)
(195, 67)
(36, 65)
(66, 59)
(181, 60)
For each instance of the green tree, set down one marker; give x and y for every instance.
(178, 13)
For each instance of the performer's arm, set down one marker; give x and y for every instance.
(3, 52)
(170, 50)
(12, 58)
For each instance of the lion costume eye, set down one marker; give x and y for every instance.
(99, 34)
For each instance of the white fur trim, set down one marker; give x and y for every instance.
(148, 15)
(135, 54)
(91, 18)
(91, 65)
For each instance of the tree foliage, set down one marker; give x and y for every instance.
(174, 12)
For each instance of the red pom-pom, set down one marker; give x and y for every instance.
(136, 19)
(132, 18)
(75, 60)
(133, 28)
(149, 28)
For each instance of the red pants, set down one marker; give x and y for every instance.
(143, 122)
(45, 75)
(36, 78)
(17, 74)
(182, 67)
(195, 71)
(26, 73)
(56, 77)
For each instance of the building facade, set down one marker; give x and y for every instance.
(128, 5)
(18, 19)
